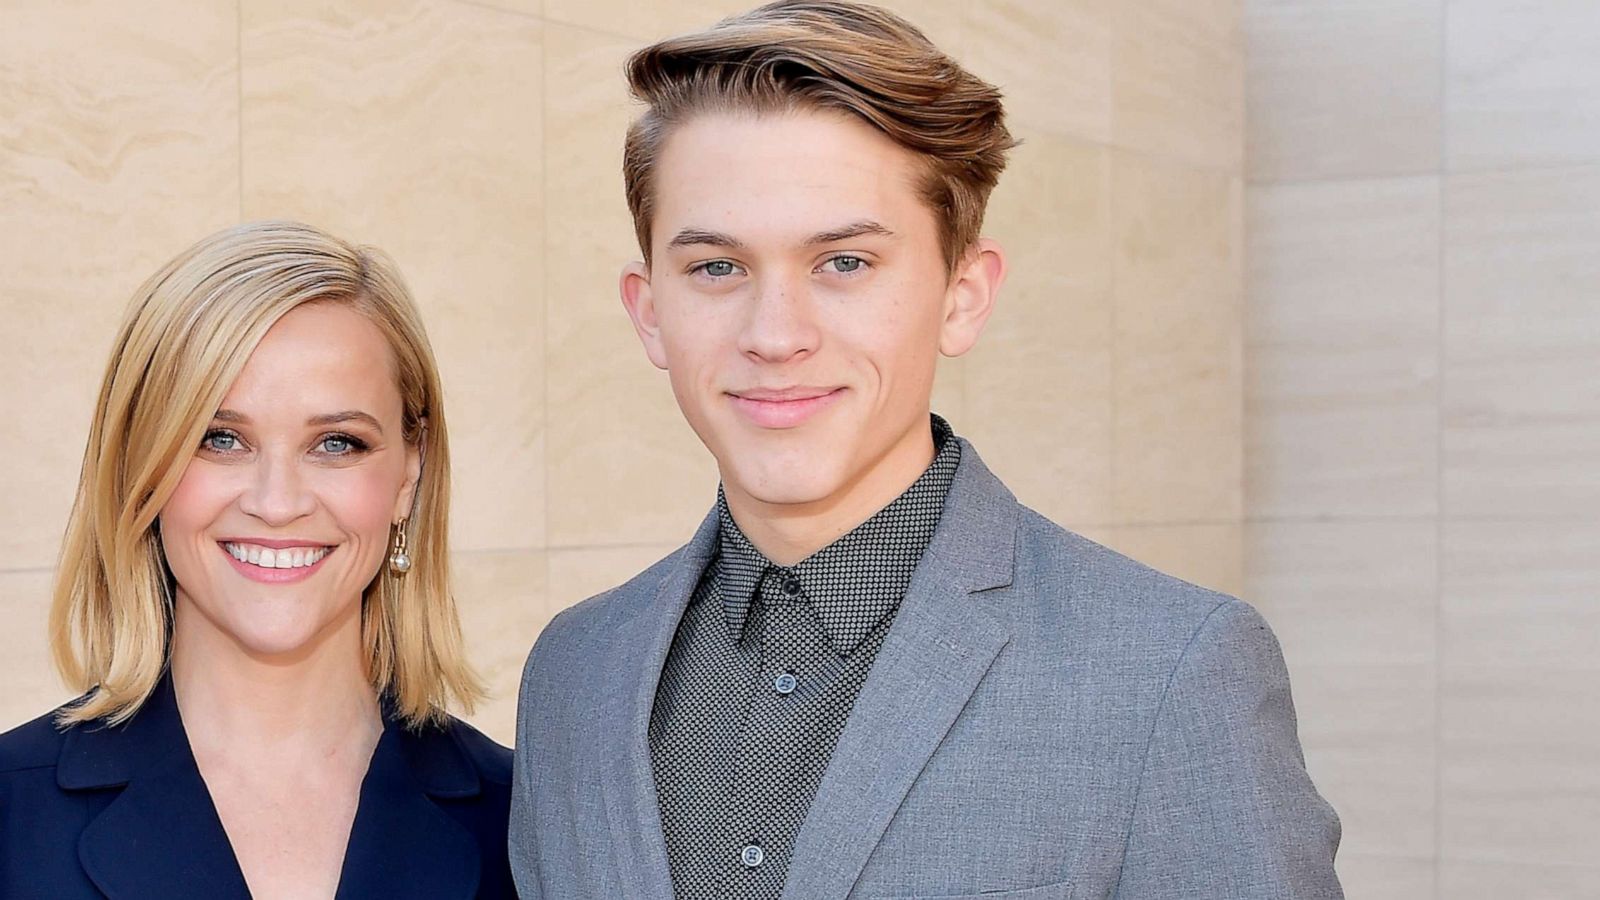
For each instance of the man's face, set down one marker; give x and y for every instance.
(798, 299)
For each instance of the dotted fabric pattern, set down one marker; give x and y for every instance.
(764, 669)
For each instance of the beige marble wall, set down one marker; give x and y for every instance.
(1422, 439)
(479, 143)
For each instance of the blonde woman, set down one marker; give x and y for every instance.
(253, 593)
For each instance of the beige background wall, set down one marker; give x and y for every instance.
(480, 143)
(1423, 427)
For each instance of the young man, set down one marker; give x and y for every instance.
(872, 673)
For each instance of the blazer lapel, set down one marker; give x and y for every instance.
(161, 837)
(627, 778)
(937, 651)
(401, 843)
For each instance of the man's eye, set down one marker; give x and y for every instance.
(846, 264)
(720, 268)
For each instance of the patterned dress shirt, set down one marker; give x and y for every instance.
(765, 666)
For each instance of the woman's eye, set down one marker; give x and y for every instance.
(846, 264)
(340, 445)
(220, 442)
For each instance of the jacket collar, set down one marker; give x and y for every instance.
(162, 837)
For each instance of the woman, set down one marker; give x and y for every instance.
(253, 592)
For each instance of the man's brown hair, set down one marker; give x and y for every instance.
(827, 55)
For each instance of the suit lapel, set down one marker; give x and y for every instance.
(628, 780)
(937, 651)
(161, 837)
(401, 843)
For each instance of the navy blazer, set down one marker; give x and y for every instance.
(122, 812)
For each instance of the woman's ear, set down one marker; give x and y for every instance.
(406, 501)
(970, 297)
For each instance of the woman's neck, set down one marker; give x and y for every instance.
(316, 697)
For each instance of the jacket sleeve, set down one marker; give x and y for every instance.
(522, 834)
(1225, 807)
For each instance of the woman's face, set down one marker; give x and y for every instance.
(282, 517)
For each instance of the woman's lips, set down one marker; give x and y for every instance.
(786, 408)
(274, 575)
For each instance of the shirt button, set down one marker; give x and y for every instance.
(752, 856)
(785, 683)
(791, 585)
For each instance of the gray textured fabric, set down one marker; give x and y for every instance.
(1046, 719)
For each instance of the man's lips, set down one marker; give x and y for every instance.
(783, 407)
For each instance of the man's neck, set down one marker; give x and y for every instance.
(787, 533)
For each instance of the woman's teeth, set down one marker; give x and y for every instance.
(268, 558)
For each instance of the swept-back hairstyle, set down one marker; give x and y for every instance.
(827, 55)
(187, 334)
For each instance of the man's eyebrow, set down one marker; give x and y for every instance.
(691, 236)
(853, 230)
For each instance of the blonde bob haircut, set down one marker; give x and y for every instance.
(186, 336)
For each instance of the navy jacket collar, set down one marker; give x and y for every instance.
(162, 835)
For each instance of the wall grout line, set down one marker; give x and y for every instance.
(238, 84)
(1440, 172)
(544, 269)
(1438, 471)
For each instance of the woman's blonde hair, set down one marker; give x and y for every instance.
(186, 336)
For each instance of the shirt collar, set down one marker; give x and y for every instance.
(855, 582)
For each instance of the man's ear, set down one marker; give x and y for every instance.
(970, 297)
(640, 303)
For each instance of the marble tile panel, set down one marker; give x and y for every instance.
(1177, 92)
(1343, 88)
(1210, 555)
(415, 126)
(32, 686)
(1522, 86)
(1177, 382)
(1038, 384)
(1522, 593)
(1368, 736)
(1372, 876)
(504, 603)
(624, 468)
(940, 20)
(641, 23)
(1517, 764)
(1008, 44)
(118, 148)
(1522, 343)
(1342, 593)
(1493, 879)
(578, 573)
(1342, 335)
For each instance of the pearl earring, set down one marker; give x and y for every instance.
(399, 560)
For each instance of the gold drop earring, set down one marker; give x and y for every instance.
(399, 560)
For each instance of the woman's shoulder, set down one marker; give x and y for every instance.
(32, 745)
(491, 760)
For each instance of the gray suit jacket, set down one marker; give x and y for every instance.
(1046, 720)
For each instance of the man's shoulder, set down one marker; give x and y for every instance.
(1100, 592)
(597, 617)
